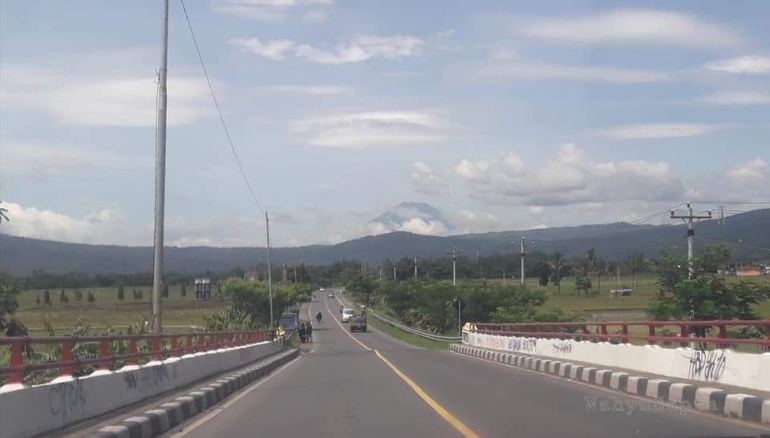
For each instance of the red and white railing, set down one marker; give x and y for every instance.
(622, 331)
(143, 346)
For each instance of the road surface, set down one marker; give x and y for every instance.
(345, 389)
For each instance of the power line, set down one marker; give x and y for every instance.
(655, 215)
(219, 111)
(735, 202)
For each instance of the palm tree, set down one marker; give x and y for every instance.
(558, 264)
(601, 266)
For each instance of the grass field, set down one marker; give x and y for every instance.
(179, 312)
(406, 337)
(604, 306)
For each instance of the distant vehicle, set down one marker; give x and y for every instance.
(322, 289)
(289, 321)
(347, 314)
(358, 323)
(330, 295)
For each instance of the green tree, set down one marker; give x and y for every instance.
(601, 268)
(121, 293)
(8, 307)
(704, 296)
(37, 300)
(47, 297)
(4, 214)
(165, 290)
(558, 266)
(543, 274)
(522, 305)
(183, 291)
(63, 296)
(364, 287)
(91, 297)
(78, 295)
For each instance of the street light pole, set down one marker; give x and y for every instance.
(269, 269)
(454, 252)
(160, 178)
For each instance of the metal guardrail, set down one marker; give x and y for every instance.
(414, 331)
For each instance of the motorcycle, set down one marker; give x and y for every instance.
(319, 317)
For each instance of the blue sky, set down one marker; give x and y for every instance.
(503, 114)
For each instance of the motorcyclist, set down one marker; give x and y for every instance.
(341, 307)
(319, 316)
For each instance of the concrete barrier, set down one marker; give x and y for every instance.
(725, 366)
(68, 400)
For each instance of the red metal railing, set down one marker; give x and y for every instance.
(155, 346)
(618, 331)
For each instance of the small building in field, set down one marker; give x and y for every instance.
(203, 289)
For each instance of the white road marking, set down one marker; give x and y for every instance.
(343, 327)
(219, 409)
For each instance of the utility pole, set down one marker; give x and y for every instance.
(269, 269)
(394, 272)
(415, 268)
(160, 178)
(295, 274)
(454, 253)
(690, 218)
(503, 276)
(380, 266)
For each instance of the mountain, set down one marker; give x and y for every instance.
(20, 255)
(415, 217)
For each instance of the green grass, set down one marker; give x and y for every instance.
(182, 314)
(406, 337)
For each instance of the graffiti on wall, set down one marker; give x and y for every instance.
(149, 378)
(528, 345)
(707, 365)
(562, 347)
(65, 399)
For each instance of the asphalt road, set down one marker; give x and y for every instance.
(343, 389)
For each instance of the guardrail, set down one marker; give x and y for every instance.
(147, 346)
(414, 331)
(618, 331)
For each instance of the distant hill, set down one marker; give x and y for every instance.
(20, 255)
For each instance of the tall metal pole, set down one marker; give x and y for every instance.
(454, 253)
(394, 272)
(415, 268)
(160, 178)
(522, 261)
(690, 220)
(269, 269)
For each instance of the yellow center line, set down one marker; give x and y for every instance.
(448, 417)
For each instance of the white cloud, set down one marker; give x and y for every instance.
(69, 92)
(41, 162)
(505, 69)
(629, 26)
(657, 131)
(362, 48)
(569, 177)
(266, 10)
(421, 226)
(104, 227)
(538, 227)
(369, 129)
(536, 210)
(478, 221)
(752, 65)
(736, 98)
(271, 49)
(307, 90)
(425, 180)
(752, 172)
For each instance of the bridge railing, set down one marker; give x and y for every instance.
(627, 331)
(136, 347)
(414, 331)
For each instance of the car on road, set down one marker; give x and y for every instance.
(347, 313)
(330, 295)
(358, 323)
(322, 289)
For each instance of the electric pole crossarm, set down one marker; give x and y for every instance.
(690, 219)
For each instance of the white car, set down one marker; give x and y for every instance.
(347, 314)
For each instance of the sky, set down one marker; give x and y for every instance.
(504, 115)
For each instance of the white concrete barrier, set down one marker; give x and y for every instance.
(724, 366)
(67, 400)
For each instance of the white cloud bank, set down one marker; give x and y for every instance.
(369, 129)
(360, 48)
(629, 26)
(750, 65)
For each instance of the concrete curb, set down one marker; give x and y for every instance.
(160, 420)
(685, 395)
